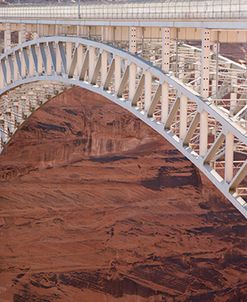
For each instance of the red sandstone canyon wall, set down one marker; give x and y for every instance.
(95, 206)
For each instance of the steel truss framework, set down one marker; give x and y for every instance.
(196, 126)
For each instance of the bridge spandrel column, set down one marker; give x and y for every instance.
(233, 94)
(107, 33)
(216, 53)
(1, 77)
(229, 148)
(78, 30)
(205, 62)
(132, 40)
(39, 60)
(117, 72)
(92, 59)
(7, 37)
(79, 58)
(233, 103)
(166, 40)
(31, 62)
(183, 116)
(16, 71)
(22, 34)
(164, 102)
(48, 61)
(132, 80)
(104, 58)
(203, 145)
(58, 60)
(148, 90)
(85, 31)
(23, 64)
(8, 71)
(68, 55)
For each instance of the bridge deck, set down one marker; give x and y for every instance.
(172, 10)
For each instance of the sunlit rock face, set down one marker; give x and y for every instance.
(95, 206)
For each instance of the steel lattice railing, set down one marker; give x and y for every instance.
(176, 9)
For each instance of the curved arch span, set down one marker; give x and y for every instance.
(160, 100)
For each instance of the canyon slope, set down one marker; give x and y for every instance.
(96, 206)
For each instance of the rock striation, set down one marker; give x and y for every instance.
(95, 206)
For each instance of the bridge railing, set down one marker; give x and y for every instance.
(176, 9)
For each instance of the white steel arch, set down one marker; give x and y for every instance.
(194, 125)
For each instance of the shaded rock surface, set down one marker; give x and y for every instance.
(95, 206)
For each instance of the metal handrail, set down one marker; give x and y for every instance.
(176, 9)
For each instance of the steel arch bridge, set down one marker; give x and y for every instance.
(196, 126)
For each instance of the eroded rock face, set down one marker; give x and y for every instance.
(95, 206)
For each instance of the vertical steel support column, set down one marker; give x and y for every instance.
(39, 29)
(132, 80)
(22, 34)
(233, 95)
(216, 51)
(205, 61)
(7, 37)
(107, 33)
(164, 102)
(58, 60)
(229, 157)
(57, 32)
(1, 78)
(166, 48)
(166, 39)
(183, 116)
(68, 55)
(103, 67)
(22, 39)
(181, 68)
(31, 62)
(39, 60)
(102, 32)
(132, 67)
(214, 89)
(85, 31)
(92, 57)
(203, 133)
(132, 40)
(78, 31)
(16, 71)
(177, 55)
(79, 58)
(147, 90)
(117, 72)
(48, 61)
(23, 65)
(233, 103)
(8, 71)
